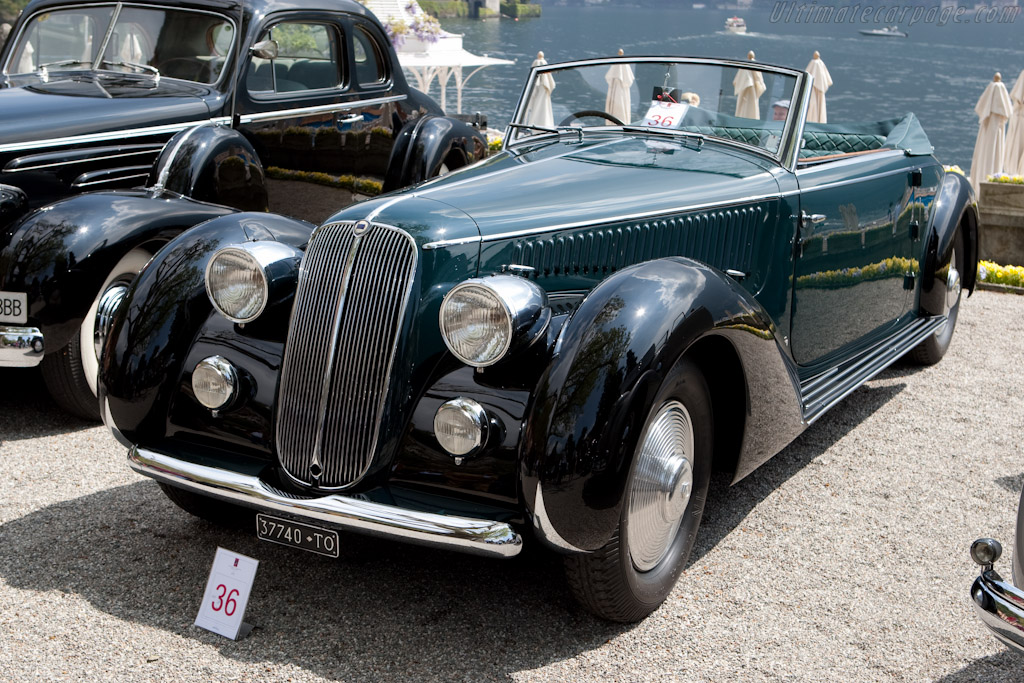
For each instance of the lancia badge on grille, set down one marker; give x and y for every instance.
(361, 228)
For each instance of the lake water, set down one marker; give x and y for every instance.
(938, 72)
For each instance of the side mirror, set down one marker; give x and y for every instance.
(265, 49)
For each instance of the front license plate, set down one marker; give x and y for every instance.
(297, 535)
(14, 307)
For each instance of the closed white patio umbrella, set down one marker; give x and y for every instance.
(1013, 160)
(816, 111)
(618, 102)
(993, 109)
(748, 86)
(538, 110)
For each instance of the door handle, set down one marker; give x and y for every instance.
(352, 119)
(813, 219)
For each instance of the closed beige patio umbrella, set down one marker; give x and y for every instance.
(748, 86)
(993, 109)
(538, 111)
(816, 111)
(619, 103)
(1013, 160)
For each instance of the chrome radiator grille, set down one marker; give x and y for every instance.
(341, 343)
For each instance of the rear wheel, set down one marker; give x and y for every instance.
(932, 349)
(71, 374)
(634, 573)
(212, 510)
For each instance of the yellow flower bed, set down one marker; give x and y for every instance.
(1008, 179)
(995, 274)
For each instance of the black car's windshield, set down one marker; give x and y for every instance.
(749, 104)
(176, 43)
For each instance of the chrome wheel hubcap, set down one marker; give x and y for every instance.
(109, 302)
(661, 486)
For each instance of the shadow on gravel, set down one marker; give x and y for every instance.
(382, 608)
(26, 409)
(1005, 666)
(728, 506)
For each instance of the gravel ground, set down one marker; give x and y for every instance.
(843, 558)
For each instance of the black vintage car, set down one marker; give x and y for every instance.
(555, 345)
(214, 107)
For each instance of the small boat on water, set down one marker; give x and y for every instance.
(735, 25)
(887, 32)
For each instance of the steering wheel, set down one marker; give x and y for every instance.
(590, 112)
(186, 68)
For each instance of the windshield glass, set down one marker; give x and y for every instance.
(749, 105)
(177, 43)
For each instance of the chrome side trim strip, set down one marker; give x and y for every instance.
(1000, 606)
(20, 347)
(111, 135)
(36, 162)
(474, 536)
(319, 109)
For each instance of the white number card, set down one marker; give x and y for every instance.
(665, 114)
(227, 594)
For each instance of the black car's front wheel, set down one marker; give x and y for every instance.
(71, 374)
(633, 574)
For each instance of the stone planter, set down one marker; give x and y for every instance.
(1001, 237)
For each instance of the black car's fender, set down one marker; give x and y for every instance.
(608, 365)
(61, 255)
(212, 163)
(13, 204)
(426, 143)
(954, 208)
(161, 313)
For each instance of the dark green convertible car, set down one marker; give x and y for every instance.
(553, 346)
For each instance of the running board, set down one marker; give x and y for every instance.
(823, 390)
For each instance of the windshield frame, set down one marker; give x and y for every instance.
(792, 129)
(14, 39)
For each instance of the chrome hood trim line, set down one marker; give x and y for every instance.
(473, 536)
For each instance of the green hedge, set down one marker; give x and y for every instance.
(520, 10)
(445, 9)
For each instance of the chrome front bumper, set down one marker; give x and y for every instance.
(474, 536)
(20, 347)
(1000, 605)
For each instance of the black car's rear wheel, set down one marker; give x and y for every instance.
(71, 374)
(633, 574)
(932, 349)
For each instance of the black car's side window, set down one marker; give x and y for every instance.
(370, 64)
(308, 59)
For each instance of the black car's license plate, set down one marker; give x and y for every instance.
(297, 535)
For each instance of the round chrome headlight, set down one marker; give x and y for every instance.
(483, 319)
(241, 278)
(460, 426)
(214, 382)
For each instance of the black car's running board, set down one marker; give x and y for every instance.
(825, 389)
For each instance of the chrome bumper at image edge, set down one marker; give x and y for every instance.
(20, 347)
(474, 536)
(1000, 605)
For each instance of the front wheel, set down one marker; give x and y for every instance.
(71, 374)
(633, 574)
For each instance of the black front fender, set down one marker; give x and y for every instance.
(610, 361)
(161, 313)
(61, 254)
(424, 144)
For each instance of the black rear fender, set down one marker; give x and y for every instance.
(161, 314)
(954, 208)
(423, 145)
(610, 361)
